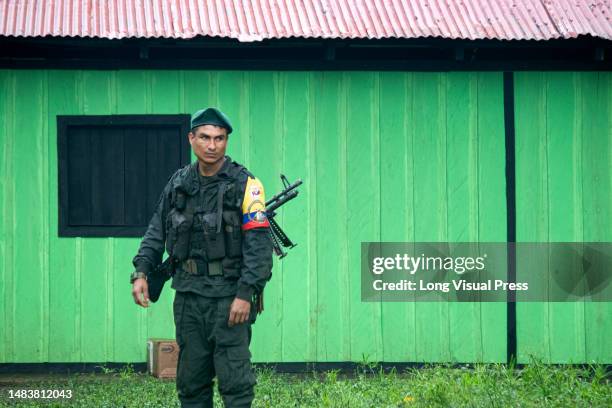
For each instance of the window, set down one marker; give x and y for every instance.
(112, 170)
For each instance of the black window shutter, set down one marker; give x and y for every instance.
(112, 170)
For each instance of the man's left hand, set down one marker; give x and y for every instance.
(239, 312)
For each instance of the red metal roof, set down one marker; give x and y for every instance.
(254, 20)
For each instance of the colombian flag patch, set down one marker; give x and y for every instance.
(254, 206)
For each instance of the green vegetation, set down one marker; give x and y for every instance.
(481, 386)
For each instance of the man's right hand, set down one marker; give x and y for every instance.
(140, 292)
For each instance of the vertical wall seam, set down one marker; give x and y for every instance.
(443, 91)
(442, 94)
(280, 85)
(403, 86)
(478, 191)
(344, 180)
(45, 210)
(3, 236)
(283, 145)
(409, 195)
(375, 123)
(581, 138)
(9, 282)
(377, 106)
(110, 266)
(113, 91)
(12, 217)
(78, 245)
(412, 136)
(309, 355)
(579, 195)
(547, 202)
(510, 145)
(315, 79)
(577, 201)
(79, 295)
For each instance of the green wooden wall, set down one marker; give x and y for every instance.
(384, 156)
(564, 193)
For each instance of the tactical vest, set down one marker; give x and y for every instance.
(204, 226)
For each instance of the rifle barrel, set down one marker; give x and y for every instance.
(277, 203)
(284, 192)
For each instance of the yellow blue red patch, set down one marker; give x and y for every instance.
(254, 206)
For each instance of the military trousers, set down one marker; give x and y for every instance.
(209, 347)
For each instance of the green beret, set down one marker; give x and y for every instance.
(211, 116)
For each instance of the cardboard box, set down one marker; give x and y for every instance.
(162, 357)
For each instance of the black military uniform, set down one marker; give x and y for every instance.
(216, 229)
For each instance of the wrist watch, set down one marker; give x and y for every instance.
(137, 275)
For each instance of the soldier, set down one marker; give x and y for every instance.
(211, 219)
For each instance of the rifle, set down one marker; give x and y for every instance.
(278, 236)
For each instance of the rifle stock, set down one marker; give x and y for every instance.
(277, 235)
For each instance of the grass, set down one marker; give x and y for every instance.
(536, 385)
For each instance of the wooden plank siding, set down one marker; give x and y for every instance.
(385, 156)
(564, 194)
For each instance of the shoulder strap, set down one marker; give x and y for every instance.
(220, 194)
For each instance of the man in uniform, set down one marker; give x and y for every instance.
(211, 219)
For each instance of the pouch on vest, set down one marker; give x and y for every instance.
(195, 266)
(233, 234)
(214, 241)
(171, 232)
(177, 242)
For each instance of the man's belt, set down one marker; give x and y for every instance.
(200, 267)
